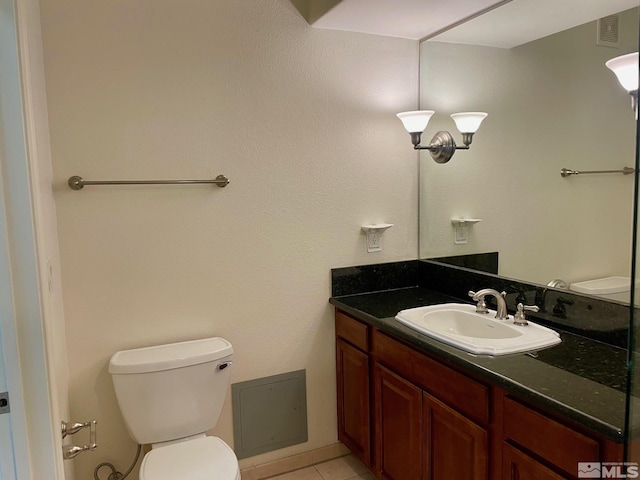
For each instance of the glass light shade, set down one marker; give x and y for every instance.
(415, 121)
(626, 69)
(468, 122)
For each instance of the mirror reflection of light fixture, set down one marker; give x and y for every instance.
(626, 69)
(442, 146)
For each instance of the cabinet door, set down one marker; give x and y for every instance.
(454, 446)
(353, 400)
(397, 427)
(519, 466)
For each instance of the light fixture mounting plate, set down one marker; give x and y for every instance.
(442, 147)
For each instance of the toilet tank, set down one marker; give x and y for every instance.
(167, 392)
(611, 288)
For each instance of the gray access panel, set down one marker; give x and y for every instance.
(269, 413)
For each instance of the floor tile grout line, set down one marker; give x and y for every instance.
(330, 476)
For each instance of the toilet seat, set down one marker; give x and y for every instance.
(203, 458)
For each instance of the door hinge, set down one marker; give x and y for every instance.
(4, 403)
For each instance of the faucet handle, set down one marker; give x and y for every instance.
(519, 318)
(481, 306)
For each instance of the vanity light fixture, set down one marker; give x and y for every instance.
(442, 146)
(626, 69)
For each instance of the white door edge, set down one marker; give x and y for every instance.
(36, 442)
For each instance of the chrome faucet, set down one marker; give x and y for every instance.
(557, 283)
(481, 307)
(541, 292)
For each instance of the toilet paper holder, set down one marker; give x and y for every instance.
(68, 428)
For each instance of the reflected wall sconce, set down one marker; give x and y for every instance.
(626, 69)
(442, 146)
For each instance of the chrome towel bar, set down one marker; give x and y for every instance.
(565, 172)
(77, 183)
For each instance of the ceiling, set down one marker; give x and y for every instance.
(505, 23)
(414, 19)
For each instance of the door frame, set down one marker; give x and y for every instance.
(31, 376)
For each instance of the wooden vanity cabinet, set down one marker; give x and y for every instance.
(419, 431)
(417, 436)
(352, 373)
(517, 465)
(409, 416)
(540, 445)
(454, 446)
(559, 445)
(397, 426)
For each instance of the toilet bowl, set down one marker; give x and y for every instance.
(169, 396)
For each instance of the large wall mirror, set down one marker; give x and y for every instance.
(552, 104)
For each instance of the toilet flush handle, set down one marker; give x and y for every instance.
(224, 365)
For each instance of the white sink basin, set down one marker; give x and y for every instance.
(459, 325)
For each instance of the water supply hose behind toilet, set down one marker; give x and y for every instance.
(116, 475)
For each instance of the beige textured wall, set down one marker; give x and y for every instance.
(551, 104)
(303, 123)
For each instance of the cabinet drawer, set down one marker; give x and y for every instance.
(554, 442)
(454, 389)
(353, 331)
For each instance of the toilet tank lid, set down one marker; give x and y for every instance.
(166, 357)
(603, 286)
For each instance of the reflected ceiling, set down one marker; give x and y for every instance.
(414, 19)
(463, 21)
(539, 18)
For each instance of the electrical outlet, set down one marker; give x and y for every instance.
(373, 242)
(373, 233)
(460, 235)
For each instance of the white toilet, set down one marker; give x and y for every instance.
(169, 396)
(611, 288)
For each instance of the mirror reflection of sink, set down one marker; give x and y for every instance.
(459, 325)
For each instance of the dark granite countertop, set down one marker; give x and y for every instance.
(581, 379)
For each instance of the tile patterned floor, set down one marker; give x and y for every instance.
(343, 468)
